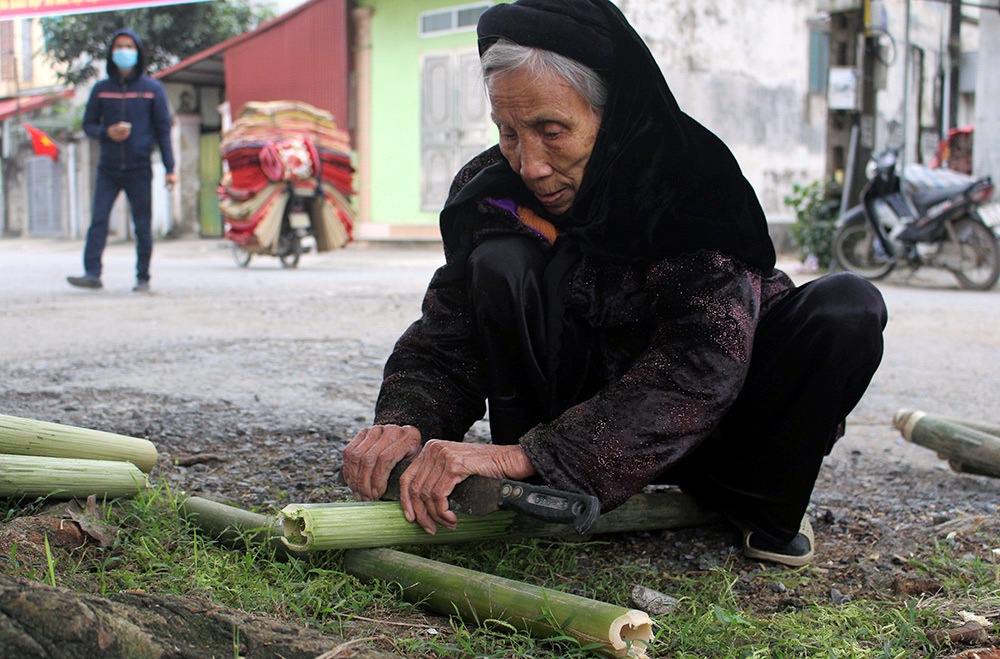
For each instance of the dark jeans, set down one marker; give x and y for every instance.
(814, 355)
(137, 184)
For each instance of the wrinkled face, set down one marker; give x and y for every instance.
(547, 132)
(123, 42)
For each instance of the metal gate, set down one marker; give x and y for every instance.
(454, 118)
(44, 182)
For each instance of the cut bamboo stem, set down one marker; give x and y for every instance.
(966, 448)
(357, 525)
(233, 526)
(31, 437)
(479, 597)
(65, 478)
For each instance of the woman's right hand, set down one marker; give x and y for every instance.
(373, 453)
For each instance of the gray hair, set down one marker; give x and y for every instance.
(506, 56)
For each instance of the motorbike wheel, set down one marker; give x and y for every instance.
(289, 249)
(856, 249)
(241, 256)
(977, 255)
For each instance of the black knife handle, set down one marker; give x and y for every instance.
(558, 506)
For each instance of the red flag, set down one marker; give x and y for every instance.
(43, 144)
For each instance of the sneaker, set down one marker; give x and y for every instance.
(86, 281)
(796, 553)
(141, 286)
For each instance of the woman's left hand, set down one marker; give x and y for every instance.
(440, 466)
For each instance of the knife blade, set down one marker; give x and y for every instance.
(481, 495)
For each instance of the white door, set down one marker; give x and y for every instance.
(454, 118)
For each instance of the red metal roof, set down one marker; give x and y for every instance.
(302, 55)
(12, 106)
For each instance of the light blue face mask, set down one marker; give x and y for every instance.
(125, 58)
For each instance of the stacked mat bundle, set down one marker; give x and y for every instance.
(276, 149)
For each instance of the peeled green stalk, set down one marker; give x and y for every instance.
(355, 525)
(478, 596)
(31, 437)
(23, 475)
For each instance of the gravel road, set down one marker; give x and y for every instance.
(264, 373)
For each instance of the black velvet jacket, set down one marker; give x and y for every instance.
(674, 348)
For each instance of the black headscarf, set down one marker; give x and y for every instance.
(658, 183)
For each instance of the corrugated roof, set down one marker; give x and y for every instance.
(12, 106)
(206, 67)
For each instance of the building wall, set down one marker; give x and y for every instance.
(741, 67)
(395, 103)
(34, 73)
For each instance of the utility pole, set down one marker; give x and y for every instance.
(954, 63)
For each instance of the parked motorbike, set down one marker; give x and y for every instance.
(936, 227)
(295, 226)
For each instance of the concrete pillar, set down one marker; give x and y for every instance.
(986, 148)
(362, 122)
(186, 208)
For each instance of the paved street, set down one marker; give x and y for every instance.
(212, 329)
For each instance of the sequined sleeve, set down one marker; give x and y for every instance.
(433, 379)
(705, 309)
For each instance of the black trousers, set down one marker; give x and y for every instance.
(814, 354)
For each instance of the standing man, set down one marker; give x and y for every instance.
(126, 112)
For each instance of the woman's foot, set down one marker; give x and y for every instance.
(796, 553)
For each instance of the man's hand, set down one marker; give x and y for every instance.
(373, 453)
(119, 132)
(170, 180)
(424, 487)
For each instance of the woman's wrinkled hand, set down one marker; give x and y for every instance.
(373, 453)
(440, 466)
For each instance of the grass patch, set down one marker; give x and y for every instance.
(717, 615)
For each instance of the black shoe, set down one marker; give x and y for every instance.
(141, 286)
(86, 281)
(796, 553)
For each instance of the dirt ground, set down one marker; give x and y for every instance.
(262, 374)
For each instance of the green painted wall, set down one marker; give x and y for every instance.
(395, 121)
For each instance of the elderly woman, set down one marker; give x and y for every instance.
(610, 290)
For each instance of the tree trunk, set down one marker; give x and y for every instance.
(41, 622)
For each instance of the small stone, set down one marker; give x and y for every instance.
(652, 601)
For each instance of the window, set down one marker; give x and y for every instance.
(819, 61)
(448, 21)
(27, 52)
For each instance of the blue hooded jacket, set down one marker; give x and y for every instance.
(137, 99)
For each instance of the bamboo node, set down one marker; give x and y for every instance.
(631, 634)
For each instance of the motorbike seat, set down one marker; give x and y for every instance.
(925, 198)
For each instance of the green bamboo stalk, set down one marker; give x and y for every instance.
(965, 448)
(356, 525)
(32, 437)
(981, 426)
(233, 526)
(479, 597)
(65, 478)
(648, 511)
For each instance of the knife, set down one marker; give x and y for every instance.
(481, 495)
